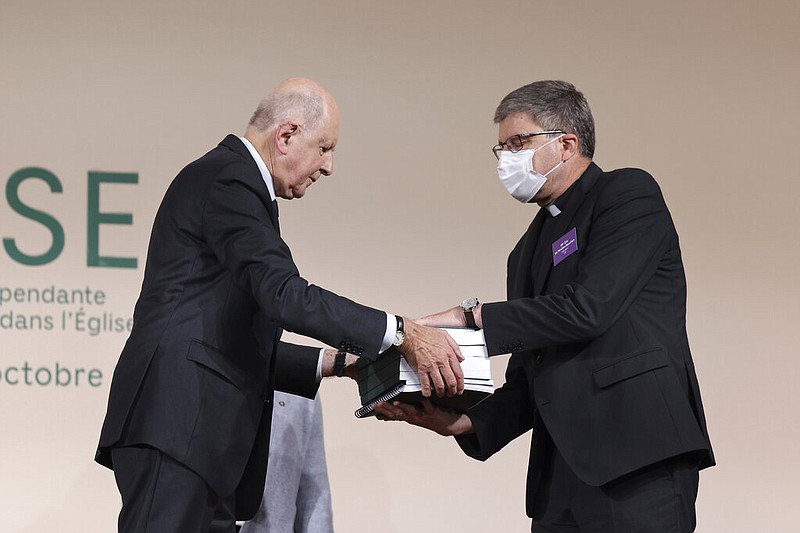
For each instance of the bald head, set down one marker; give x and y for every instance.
(296, 100)
(295, 130)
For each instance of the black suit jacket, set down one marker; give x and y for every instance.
(600, 355)
(196, 376)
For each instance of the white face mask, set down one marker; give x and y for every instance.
(517, 175)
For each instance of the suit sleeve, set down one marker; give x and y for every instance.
(502, 417)
(630, 231)
(296, 369)
(240, 232)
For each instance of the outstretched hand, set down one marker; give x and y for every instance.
(443, 421)
(436, 357)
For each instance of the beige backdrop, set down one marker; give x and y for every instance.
(701, 94)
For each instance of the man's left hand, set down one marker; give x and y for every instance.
(443, 421)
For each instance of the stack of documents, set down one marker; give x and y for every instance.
(391, 378)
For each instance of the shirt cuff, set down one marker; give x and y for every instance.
(319, 364)
(391, 329)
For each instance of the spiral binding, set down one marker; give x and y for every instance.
(385, 397)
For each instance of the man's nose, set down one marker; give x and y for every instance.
(327, 165)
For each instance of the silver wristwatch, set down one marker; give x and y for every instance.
(469, 306)
(400, 334)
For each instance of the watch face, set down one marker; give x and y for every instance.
(399, 337)
(469, 304)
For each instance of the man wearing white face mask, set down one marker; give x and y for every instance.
(516, 170)
(601, 369)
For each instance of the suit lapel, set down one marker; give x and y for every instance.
(520, 282)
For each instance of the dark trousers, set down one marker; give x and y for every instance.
(160, 495)
(656, 499)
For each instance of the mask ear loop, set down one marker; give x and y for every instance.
(552, 169)
(542, 146)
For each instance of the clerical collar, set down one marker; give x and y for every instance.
(553, 210)
(265, 175)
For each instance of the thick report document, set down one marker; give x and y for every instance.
(391, 378)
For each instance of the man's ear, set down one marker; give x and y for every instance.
(283, 136)
(570, 143)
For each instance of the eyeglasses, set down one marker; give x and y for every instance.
(515, 143)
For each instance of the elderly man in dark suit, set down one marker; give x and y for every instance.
(187, 426)
(595, 321)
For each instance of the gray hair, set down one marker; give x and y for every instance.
(304, 107)
(553, 105)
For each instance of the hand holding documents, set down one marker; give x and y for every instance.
(436, 358)
(391, 377)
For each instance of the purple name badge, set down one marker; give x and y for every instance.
(565, 246)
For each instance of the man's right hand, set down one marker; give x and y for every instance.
(436, 357)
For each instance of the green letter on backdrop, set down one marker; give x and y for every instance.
(12, 196)
(94, 218)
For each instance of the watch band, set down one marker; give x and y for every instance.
(338, 363)
(470, 318)
(468, 306)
